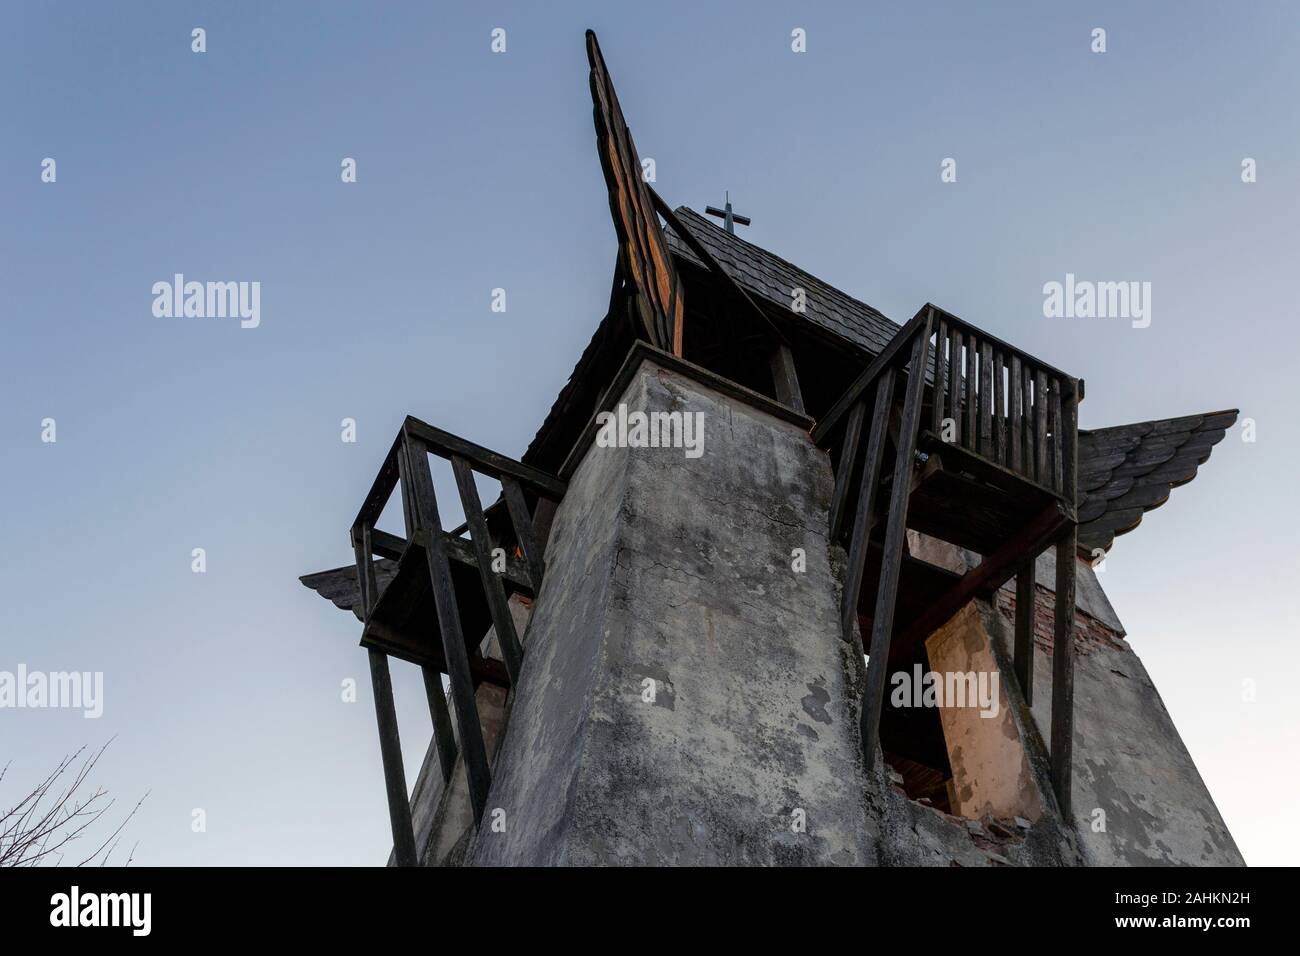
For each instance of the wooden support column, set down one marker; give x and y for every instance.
(502, 622)
(444, 739)
(1066, 565)
(844, 470)
(390, 745)
(524, 532)
(882, 623)
(786, 378)
(1063, 669)
(862, 518)
(1024, 650)
(390, 751)
(453, 639)
(543, 518)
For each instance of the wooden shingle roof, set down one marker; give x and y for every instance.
(1128, 470)
(772, 278)
(339, 585)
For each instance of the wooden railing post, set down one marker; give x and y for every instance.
(1042, 466)
(381, 684)
(882, 622)
(864, 515)
(525, 533)
(847, 463)
(1024, 642)
(1063, 668)
(971, 430)
(439, 714)
(785, 379)
(940, 379)
(1063, 636)
(453, 639)
(502, 622)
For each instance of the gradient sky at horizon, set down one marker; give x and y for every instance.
(476, 170)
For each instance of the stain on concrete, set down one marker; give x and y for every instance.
(814, 704)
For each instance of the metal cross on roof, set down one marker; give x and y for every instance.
(727, 216)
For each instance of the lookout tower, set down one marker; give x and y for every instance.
(860, 626)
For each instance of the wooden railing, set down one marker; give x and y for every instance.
(986, 395)
(407, 465)
(1002, 403)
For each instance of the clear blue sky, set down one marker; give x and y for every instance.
(479, 170)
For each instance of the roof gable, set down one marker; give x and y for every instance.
(772, 278)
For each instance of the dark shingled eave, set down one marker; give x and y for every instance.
(773, 278)
(339, 585)
(1127, 470)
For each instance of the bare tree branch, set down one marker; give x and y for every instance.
(57, 811)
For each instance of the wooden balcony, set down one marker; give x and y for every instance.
(446, 594)
(958, 435)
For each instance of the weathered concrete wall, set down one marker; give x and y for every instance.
(913, 834)
(675, 572)
(991, 776)
(1129, 761)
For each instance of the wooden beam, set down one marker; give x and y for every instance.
(882, 617)
(954, 382)
(382, 487)
(972, 394)
(1042, 466)
(1063, 669)
(444, 740)
(480, 538)
(992, 572)
(1015, 440)
(385, 545)
(844, 470)
(1026, 421)
(1063, 633)
(390, 546)
(862, 517)
(494, 465)
(453, 639)
(785, 378)
(1056, 427)
(1024, 646)
(524, 532)
(986, 446)
(1000, 408)
(1070, 442)
(890, 355)
(366, 585)
(390, 751)
(940, 379)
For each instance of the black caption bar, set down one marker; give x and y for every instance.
(334, 905)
